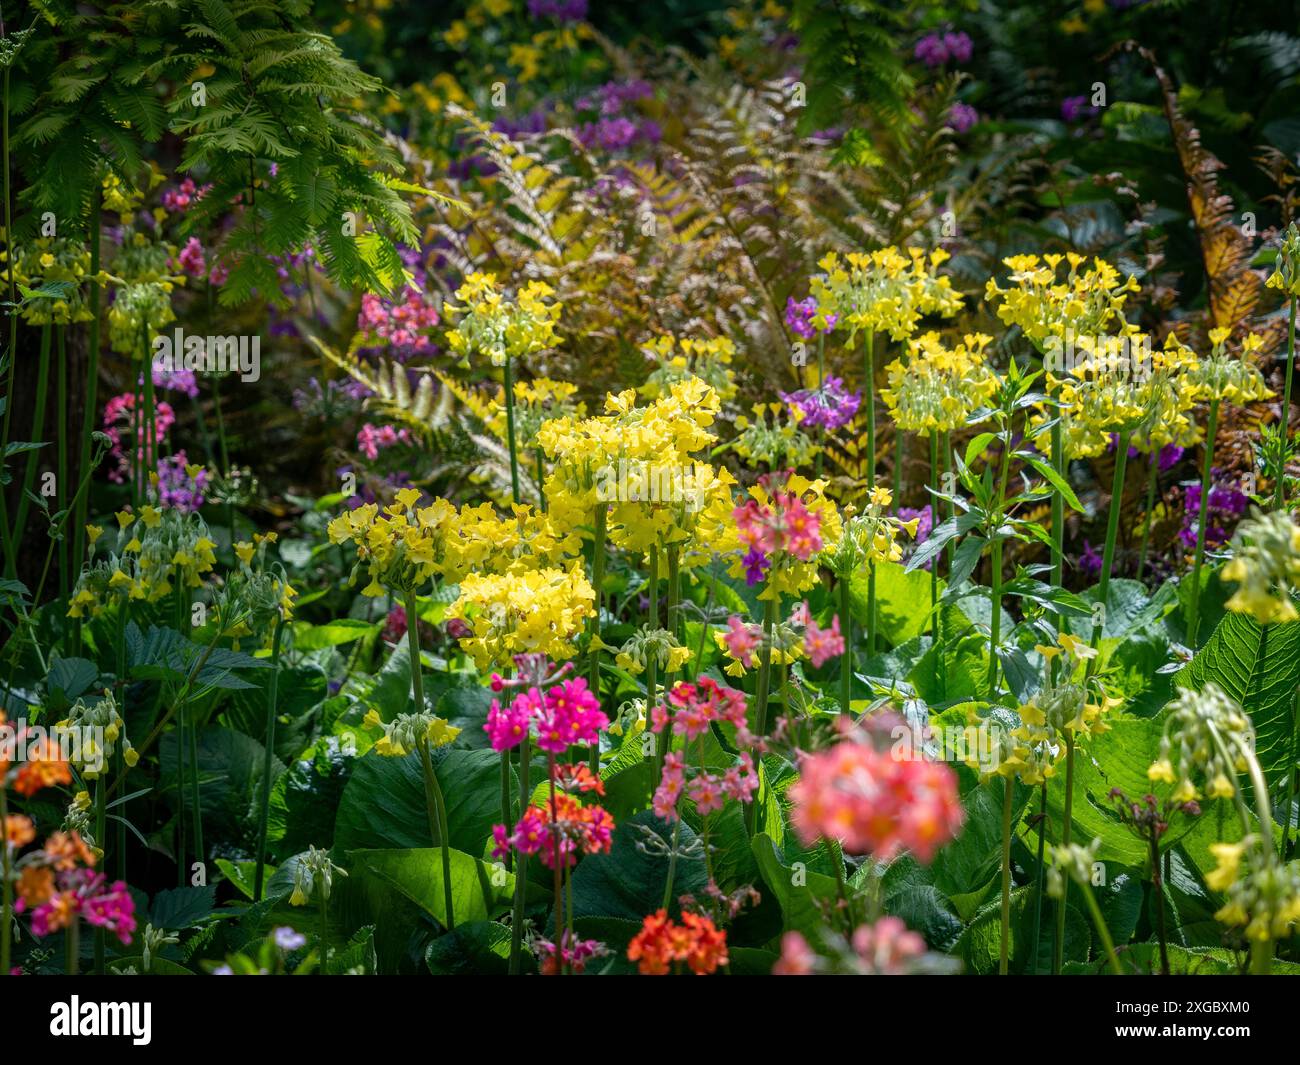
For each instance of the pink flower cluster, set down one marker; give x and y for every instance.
(86, 894)
(886, 948)
(191, 260)
(782, 525)
(403, 324)
(557, 831)
(372, 439)
(874, 803)
(690, 709)
(821, 645)
(119, 417)
(179, 197)
(708, 791)
(568, 714)
(571, 953)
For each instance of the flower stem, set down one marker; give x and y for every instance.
(101, 830)
(1202, 518)
(434, 807)
(1005, 948)
(597, 580)
(1067, 824)
(1279, 490)
(38, 430)
(1112, 532)
(264, 811)
(672, 864)
(846, 659)
(510, 429)
(1099, 922)
(764, 687)
(521, 869)
(1153, 470)
(869, 400)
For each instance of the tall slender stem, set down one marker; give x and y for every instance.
(1112, 532)
(1004, 952)
(1067, 825)
(510, 429)
(1153, 470)
(1279, 490)
(435, 808)
(264, 811)
(846, 659)
(521, 870)
(38, 430)
(593, 654)
(1202, 518)
(764, 687)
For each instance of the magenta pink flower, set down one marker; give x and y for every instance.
(191, 259)
(823, 644)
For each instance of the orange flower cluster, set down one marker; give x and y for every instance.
(662, 942)
(43, 767)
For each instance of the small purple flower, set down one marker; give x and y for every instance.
(799, 316)
(561, 10)
(1089, 561)
(1227, 503)
(831, 407)
(962, 117)
(935, 49)
(756, 566)
(288, 939)
(1076, 108)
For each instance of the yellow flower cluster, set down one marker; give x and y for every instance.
(884, 291)
(938, 388)
(404, 733)
(638, 461)
(1209, 734)
(540, 611)
(57, 266)
(709, 359)
(165, 546)
(1264, 899)
(1087, 302)
(400, 546)
(536, 401)
(870, 536)
(1265, 565)
(490, 324)
(90, 722)
(780, 445)
(1077, 707)
(1222, 377)
(1286, 274)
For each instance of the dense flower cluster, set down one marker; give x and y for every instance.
(1265, 565)
(490, 324)
(663, 946)
(873, 803)
(883, 291)
(938, 388)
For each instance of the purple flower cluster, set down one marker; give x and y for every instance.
(962, 117)
(936, 49)
(612, 128)
(830, 407)
(1227, 503)
(175, 380)
(1077, 108)
(562, 10)
(799, 316)
(176, 488)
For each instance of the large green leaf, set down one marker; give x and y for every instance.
(383, 804)
(478, 892)
(802, 893)
(1259, 666)
(629, 881)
